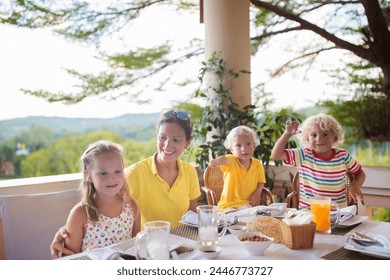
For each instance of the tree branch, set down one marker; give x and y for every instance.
(305, 55)
(270, 34)
(357, 50)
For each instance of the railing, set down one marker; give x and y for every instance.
(376, 188)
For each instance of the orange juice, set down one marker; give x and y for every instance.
(320, 208)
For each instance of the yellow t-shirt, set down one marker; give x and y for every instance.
(239, 183)
(155, 198)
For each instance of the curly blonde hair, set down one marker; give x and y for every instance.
(326, 123)
(88, 159)
(240, 130)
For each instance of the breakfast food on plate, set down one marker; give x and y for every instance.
(266, 225)
(255, 239)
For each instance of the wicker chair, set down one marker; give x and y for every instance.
(292, 198)
(213, 185)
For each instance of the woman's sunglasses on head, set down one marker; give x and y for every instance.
(168, 113)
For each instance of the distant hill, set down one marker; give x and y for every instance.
(131, 126)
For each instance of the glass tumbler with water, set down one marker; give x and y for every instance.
(210, 218)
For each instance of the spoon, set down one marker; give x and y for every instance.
(364, 239)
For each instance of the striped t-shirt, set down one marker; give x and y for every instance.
(320, 176)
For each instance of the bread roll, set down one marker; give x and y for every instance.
(266, 225)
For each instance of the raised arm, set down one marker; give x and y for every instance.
(217, 162)
(278, 150)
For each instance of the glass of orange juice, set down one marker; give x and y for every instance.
(320, 208)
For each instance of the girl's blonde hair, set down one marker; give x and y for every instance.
(326, 123)
(88, 159)
(240, 130)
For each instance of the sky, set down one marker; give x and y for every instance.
(35, 59)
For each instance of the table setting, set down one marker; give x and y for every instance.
(279, 233)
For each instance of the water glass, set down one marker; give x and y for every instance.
(153, 242)
(210, 218)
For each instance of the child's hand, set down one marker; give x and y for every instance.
(354, 194)
(292, 128)
(217, 162)
(254, 199)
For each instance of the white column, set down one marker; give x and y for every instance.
(227, 30)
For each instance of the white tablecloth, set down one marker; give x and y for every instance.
(323, 244)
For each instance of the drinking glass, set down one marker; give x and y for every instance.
(154, 240)
(210, 217)
(320, 208)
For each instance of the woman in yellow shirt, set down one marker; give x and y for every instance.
(163, 186)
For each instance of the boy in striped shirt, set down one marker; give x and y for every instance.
(321, 165)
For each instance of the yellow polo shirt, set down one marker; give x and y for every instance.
(239, 183)
(155, 198)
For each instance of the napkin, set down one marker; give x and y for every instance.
(347, 213)
(103, 253)
(190, 218)
(382, 247)
(273, 210)
(300, 219)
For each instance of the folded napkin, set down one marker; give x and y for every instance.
(273, 210)
(103, 253)
(383, 245)
(303, 218)
(190, 218)
(347, 213)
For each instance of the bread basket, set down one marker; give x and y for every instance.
(298, 236)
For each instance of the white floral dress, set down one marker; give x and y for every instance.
(107, 231)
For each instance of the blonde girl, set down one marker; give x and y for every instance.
(106, 214)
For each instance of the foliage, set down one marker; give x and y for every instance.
(93, 23)
(367, 115)
(221, 114)
(381, 214)
(132, 126)
(369, 153)
(363, 32)
(63, 156)
(136, 151)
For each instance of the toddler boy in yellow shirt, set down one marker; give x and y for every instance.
(244, 175)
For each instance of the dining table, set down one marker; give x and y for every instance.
(333, 246)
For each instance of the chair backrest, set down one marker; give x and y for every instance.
(213, 186)
(30, 222)
(292, 199)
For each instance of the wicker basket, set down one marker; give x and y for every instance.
(298, 237)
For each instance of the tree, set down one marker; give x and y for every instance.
(357, 27)
(360, 27)
(92, 22)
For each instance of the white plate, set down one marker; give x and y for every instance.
(349, 246)
(356, 219)
(189, 224)
(127, 247)
(196, 225)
